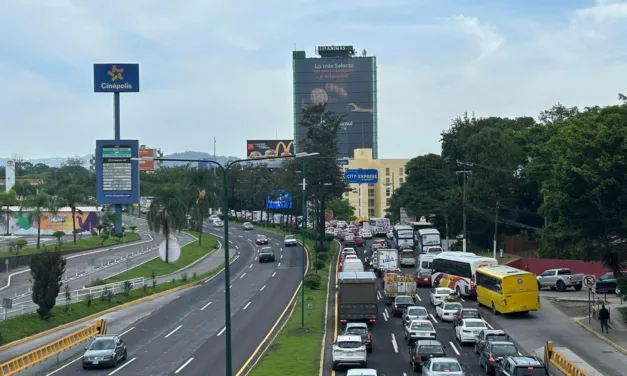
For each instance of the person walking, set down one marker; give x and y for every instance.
(604, 317)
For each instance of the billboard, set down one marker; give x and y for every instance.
(206, 164)
(269, 148)
(117, 172)
(279, 200)
(146, 165)
(86, 220)
(348, 86)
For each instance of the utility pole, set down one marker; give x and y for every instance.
(447, 244)
(465, 174)
(496, 227)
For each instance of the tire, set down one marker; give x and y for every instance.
(334, 366)
(115, 362)
(561, 286)
(539, 286)
(578, 287)
(125, 355)
(476, 350)
(494, 311)
(458, 291)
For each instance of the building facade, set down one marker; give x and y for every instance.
(372, 200)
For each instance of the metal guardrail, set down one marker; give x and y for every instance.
(75, 296)
(559, 361)
(30, 359)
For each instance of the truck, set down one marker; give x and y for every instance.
(560, 280)
(357, 297)
(395, 284)
(387, 259)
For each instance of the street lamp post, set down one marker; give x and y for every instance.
(303, 228)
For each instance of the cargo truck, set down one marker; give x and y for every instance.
(387, 259)
(395, 284)
(357, 297)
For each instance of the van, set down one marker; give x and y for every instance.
(353, 265)
(425, 262)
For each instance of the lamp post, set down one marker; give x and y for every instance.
(225, 208)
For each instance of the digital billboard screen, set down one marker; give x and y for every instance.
(348, 87)
(279, 200)
(269, 148)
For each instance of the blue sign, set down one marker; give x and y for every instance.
(342, 161)
(361, 176)
(207, 165)
(279, 200)
(120, 78)
(117, 174)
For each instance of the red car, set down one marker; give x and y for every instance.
(359, 241)
(423, 278)
(466, 313)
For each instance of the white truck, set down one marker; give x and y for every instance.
(395, 284)
(387, 259)
(560, 280)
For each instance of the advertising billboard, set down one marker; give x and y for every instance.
(279, 200)
(146, 165)
(117, 172)
(269, 148)
(348, 86)
(86, 220)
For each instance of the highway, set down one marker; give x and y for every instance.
(186, 336)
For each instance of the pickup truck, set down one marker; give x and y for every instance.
(560, 279)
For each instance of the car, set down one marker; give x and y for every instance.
(214, 217)
(104, 351)
(447, 311)
(367, 234)
(607, 283)
(422, 351)
(348, 251)
(439, 294)
(218, 223)
(383, 242)
(359, 241)
(363, 372)
(350, 242)
(266, 254)
(348, 350)
(423, 278)
(521, 365)
(489, 335)
(442, 367)
(247, 226)
(401, 303)
(494, 352)
(468, 329)
(360, 329)
(390, 235)
(290, 241)
(419, 329)
(375, 246)
(261, 240)
(415, 313)
(347, 257)
(466, 313)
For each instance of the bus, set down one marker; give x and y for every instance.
(428, 237)
(507, 290)
(457, 271)
(423, 223)
(379, 226)
(404, 236)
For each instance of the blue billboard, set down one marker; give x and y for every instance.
(279, 200)
(361, 176)
(117, 172)
(116, 78)
(207, 164)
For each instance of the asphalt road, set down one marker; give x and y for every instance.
(187, 335)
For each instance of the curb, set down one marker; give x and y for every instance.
(326, 313)
(197, 261)
(599, 336)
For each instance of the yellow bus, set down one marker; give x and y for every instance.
(507, 290)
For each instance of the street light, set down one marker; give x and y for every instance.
(227, 269)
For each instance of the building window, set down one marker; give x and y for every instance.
(400, 180)
(387, 171)
(400, 171)
(388, 201)
(388, 192)
(371, 202)
(370, 212)
(387, 180)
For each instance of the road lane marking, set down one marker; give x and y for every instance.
(278, 265)
(384, 316)
(262, 287)
(462, 299)
(230, 242)
(488, 325)
(205, 306)
(454, 348)
(386, 312)
(419, 299)
(433, 318)
(247, 304)
(273, 274)
(174, 331)
(122, 366)
(251, 266)
(184, 365)
(128, 330)
(242, 276)
(378, 294)
(281, 249)
(236, 247)
(281, 256)
(221, 331)
(394, 344)
(239, 236)
(67, 365)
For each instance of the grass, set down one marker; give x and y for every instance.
(189, 254)
(88, 242)
(285, 354)
(507, 257)
(27, 325)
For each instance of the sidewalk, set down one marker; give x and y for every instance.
(617, 336)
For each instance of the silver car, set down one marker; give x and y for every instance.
(414, 313)
(104, 351)
(442, 367)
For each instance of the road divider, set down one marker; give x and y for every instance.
(560, 361)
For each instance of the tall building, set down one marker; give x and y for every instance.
(348, 85)
(372, 200)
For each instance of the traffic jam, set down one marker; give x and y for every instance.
(405, 305)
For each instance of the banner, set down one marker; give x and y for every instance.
(146, 165)
(269, 148)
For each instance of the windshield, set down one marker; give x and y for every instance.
(421, 326)
(475, 324)
(266, 250)
(290, 237)
(504, 349)
(452, 307)
(349, 345)
(446, 367)
(261, 237)
(471, 314)
(404, 300)
(443, 291)
(424, 274)
(357, 331)
(431, 349)
(405, 234)
(431, 239)
(417, 312)
(102, 344)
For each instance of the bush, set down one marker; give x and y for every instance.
(621, 284)
(328, 237)
(184, 277)
(323, 256)
(154, 283)
(319, 265)
(194, 275)
(96, 282)
(106, 295)
(127, 287)
(89, 298)
(313, 281)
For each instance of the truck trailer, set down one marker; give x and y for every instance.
(357, 297)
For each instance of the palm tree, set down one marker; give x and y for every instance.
(168, 212)
(73, 196)
(201, 181)
(7, 199)
(24, 189)
(38, 205)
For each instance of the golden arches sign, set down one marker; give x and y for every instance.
(287, 149)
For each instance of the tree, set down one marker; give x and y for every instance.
(6, 200)
(46, 270)
(73, 196)
(202, 181)
(342, 209)
(168, 213)
(37, 206)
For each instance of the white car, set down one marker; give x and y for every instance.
(363, 372)
(468, 330)
(390, 234)
(348, 350)
(348, 251)
(366, 234)
(439, 294)
(415, 313)
(419, 329)
(447, 311)
(218, 223)
(442, 367)
(290, 241)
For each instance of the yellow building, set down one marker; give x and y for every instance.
(372, 200)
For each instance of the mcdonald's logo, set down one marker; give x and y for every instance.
(269, 148)
(288, 149)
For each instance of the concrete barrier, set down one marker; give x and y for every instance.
(32, 363)
(560, 361)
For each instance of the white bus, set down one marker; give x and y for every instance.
(379, 226)
(404, 236)
(422, 224)
(457, 271)
(428, 237)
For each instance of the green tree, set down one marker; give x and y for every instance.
(342, 209)
(168, 213)
(37, 206)
(203, 195)
(8, 199)
(73, 196)
(46, 270)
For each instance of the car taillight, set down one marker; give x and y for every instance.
(418, 357)
(491, 358)
(369, 336)
(343, 321)
(372, 320)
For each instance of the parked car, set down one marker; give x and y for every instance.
(607, 283)
(104, 351)
(560, 279)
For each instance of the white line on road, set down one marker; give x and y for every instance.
(230, 242)
(205, 306)
(378, 295)
(488, 325)
(184, 365)
(419, 299)
(221, 331)
(251, 266)
(279, 264)
(462, 299)
(281, 249)
(239, 236)
(281, 256)
(174, 331)
(127, 330)
(122, 366)
(454, 348)
(236, 247)
(273, 274)
(262, 287)
(394, 344)
(247, 304)
(433, 318)
(384, 316)
(242, 276)
(404, 374)
(386, 312)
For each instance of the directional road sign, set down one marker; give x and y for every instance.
(589, 281)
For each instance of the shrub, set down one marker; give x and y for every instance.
(319, 265)
(323, 256)
(96, 282)
(89, 298)
(173, 281)
(313, 281)
(194, 275)
(154, 283)
(184, 277)
(106, 295)
(127, 287)
(621, 284)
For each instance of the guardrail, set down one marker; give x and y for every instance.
(40, 355)
(559, 361)
(75, 296)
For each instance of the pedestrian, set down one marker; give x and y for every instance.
(604, 317)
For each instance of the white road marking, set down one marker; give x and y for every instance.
(250, 240)
(278, 265)
(174, 331)
(262, 287)
(127, 330)
(230, 242)
(419, 299)
(60, 368)
(281, 249)
(236, 247)
(394, 344)
(247, 304)
(273, 274)
(221, 331)
(454, 348)
(184, 365)
(122, 366)
(378, 295)
(488, 325)
(433, 318)
(242, 276)
(251, 266)
(384, 316)
(277, 243)
(239, 236)
(281, 256)
(404, 374)
(386, 312)
(205, 306)
(462, 299)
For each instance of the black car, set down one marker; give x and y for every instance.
(266, 254)
(494, 352)
(607, 283)
(421, 351)
(521, 366)
(489, 335)
(401, 303)
(261, 240)
(360, 329)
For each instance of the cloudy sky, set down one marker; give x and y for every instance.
(222, 68)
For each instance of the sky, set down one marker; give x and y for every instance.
(222, 68)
